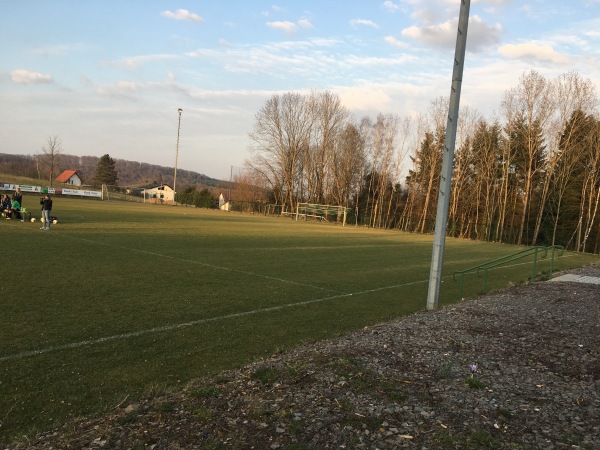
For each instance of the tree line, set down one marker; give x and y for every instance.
(50, 161)
(530, 176)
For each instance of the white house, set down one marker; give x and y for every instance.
(69, 177)
(159, 194)
(223, 204)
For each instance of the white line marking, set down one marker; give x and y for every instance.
(115, 337)
(212, 266)
(73, 345)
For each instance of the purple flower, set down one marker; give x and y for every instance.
(473, 368)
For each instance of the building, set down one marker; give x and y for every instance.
(224, 204)
(159, 194)
(70, 177)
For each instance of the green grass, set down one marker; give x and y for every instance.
(119, 298)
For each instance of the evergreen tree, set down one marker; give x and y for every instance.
(105, 171)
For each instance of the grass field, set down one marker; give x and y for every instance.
(120, 300)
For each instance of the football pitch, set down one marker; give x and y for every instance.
(122, 299)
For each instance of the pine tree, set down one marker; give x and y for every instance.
(105, 171)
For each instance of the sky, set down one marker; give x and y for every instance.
(108, 76)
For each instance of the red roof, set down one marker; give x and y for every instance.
(65, 176)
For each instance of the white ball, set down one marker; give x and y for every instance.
(55, 221)
(42, 220)
(33, 219)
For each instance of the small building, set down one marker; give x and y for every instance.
(224, 204)
(159, 194)
(70, 177)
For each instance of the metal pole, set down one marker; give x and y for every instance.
(176, 155)
(441, 219)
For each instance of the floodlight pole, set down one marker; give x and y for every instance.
(441, 218)
(176, 155)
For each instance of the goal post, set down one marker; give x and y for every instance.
(315, 211)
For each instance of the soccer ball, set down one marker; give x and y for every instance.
(42, 220)
(33, 219)
(55, 221)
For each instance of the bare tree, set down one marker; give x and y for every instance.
(329, 121)
(51, 155)
(281, 134)
(347, 164)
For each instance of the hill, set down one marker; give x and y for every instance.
(131, 173)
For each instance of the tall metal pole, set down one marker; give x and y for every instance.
(176, 155)
(441, 218)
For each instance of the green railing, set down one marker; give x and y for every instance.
(506, 259)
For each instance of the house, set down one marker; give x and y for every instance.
(159, 194)
(70, 177)
(224, 205)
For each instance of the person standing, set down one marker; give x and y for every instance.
(46, 203)
(18, 196)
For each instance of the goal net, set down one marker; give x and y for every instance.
(323, 213)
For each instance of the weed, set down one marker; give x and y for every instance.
(206, 392)
(128, 417)
(296, 446)
(368, 422)
(475, 383)
(138, 445)
(164, 407)
(506, 413)
(212, 446)
(396, 396)
(156, 390)
(203, 413)
(266, 375)
(345, 405)
(444, 439)
(483, 439)
(444, 371)
(296, 426)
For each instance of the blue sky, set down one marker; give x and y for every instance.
(107, 76)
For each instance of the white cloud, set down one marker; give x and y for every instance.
(57, 50)
(539, 52)
(480, 34)
(288, 27)
(22, 76)
(285, 26)
(363, 98)
(395, 42)
(441, 35)
(366, 22)
(126, 85)
(492, 2)
(182, 14)
(391, 6)
(134, 62)
(305, 23)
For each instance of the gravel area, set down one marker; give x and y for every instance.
(402, 384)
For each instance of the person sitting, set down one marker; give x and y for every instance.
(5, 206)
(15, 210)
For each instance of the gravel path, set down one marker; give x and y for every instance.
(402, 384)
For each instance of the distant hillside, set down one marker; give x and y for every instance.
(130, 173)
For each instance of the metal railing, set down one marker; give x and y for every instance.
(508, 258)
